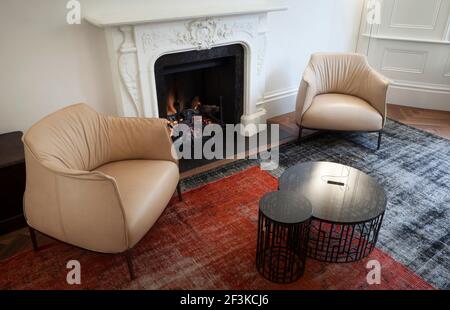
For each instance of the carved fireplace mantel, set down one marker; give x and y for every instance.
(136, 41)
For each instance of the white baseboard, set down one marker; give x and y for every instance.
(435, 97)
(279, 101)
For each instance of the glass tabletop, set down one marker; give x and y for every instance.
(285, 207)
(337, 193)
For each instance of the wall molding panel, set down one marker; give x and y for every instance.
(446, 36)
(406, 61)
(430, 26)
(447, 67)
(411, 46)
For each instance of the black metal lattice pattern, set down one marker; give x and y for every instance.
(342, 243)
(281, 249)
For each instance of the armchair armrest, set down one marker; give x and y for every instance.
(92, 213)
(306, 93)
(376, 91)
(139, 138)
(78, 207)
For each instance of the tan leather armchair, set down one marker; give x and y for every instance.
(341, 92)
(97, 182)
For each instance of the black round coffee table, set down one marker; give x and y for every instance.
(283, 230)
(348, 208)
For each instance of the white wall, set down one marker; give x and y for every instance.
(412, 47)
(307, 27)
(47, 64)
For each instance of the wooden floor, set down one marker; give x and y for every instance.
(436, 122)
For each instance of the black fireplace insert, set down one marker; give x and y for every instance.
(208, 83)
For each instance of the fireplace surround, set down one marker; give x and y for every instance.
(137, 38)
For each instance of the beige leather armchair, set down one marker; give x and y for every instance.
(97, 182)
(341, 92)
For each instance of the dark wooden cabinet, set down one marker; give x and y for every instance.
(12, 182)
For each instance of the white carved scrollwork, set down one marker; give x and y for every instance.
(260, 58)
(129, 67)
(203, 33)
(247, 28)
(150, 41)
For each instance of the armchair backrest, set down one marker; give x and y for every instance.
(340, 73)
(72, 138)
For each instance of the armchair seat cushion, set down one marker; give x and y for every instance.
(145, 188)
(342, 112)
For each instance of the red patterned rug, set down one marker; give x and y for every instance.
(206, 242)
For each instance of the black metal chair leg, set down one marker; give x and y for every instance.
(33, 238)
(299, 140)
(180, 197)
(380, 134)
(130, 264)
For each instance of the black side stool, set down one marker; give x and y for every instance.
(283, 230)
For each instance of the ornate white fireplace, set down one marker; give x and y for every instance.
(136, 39)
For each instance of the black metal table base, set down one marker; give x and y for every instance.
(281, 249)
(342, 243)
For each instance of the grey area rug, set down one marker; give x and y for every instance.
(414, 168)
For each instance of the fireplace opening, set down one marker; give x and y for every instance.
(207, 84)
